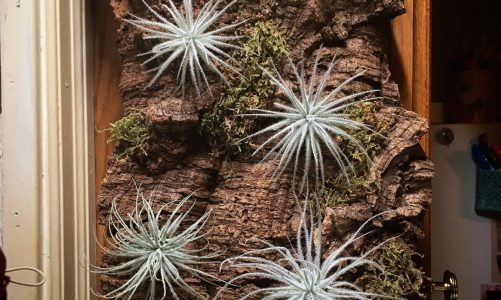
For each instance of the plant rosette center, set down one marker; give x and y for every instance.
(155, 261)
(311, 283)
(190, 39)
(310, 118)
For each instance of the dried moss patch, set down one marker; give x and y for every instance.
(266, 47)
(402, 278)
(338, 189)
(131, 132)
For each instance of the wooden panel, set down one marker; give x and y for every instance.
(402, 53)
(421, 92)
(422, 96)
(411, 69)
(107, 100)
(411, 58)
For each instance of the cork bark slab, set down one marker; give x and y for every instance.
(244, 204)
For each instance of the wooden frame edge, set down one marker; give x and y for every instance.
(421, 95)
(411, 50)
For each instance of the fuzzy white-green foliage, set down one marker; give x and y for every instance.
(302, 274)
(189, 38)
(154, 252)
(311, 121)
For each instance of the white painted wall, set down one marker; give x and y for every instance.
(21, 215)
(460, 239)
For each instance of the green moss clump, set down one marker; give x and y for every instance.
(225, 129)
(131, 132)
(337, 190)
(402, 278)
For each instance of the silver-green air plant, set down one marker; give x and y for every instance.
(302, 274)
(310, 123)
(155, 252)
(189, 38)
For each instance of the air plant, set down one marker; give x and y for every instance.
(190, 38)
(302, 274)
(311, 121)
(154, 254)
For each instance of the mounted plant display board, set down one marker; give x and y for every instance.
(236, 115)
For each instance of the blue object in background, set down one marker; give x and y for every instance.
(479, 158)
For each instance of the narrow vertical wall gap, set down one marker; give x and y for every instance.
(106, 70)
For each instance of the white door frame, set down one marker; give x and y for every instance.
(48, 185)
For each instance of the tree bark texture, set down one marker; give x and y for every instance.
(244, 203)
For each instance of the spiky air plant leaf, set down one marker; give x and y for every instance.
(155, 252)
(191, 39)
(302, 274)
(311, 122)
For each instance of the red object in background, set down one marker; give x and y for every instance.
(4, 280)
(497, 151)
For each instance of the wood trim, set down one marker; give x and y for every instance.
(402, 53)
(422, 97)
(411, 68)
(421, 92)
(411, 57)
(49, 120)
